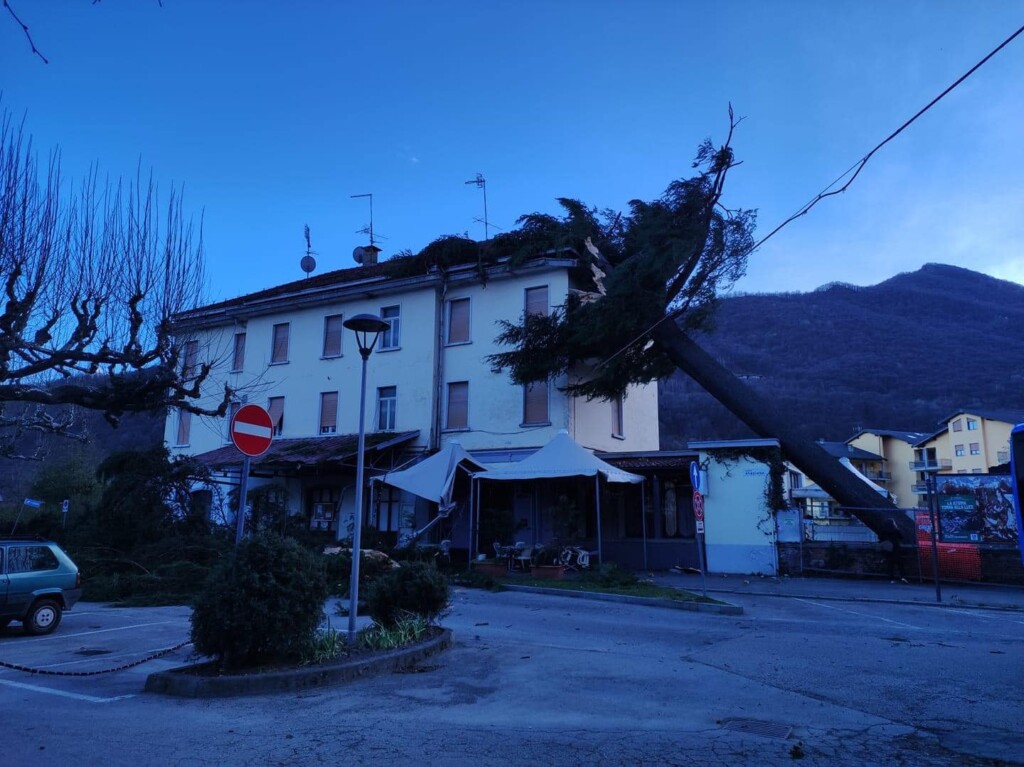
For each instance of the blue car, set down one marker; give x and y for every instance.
(38, 582)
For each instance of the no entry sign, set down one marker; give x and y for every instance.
(252, 430)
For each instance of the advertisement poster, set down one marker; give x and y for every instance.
(976, 508)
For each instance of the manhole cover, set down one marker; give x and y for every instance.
(87, 651)
(756, 727)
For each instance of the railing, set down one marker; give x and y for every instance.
(932, 464)
(884, 476)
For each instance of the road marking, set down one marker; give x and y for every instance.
(862, 615)
(119, 628)
(62, 693)
(985, 614)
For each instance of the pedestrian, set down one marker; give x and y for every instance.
(890, 541)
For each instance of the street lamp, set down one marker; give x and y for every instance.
(367, 328)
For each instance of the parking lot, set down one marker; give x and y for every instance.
(828, 682)
(93, 638)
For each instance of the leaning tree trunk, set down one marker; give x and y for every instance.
(866, 504)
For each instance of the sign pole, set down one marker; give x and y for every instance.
(243, 489)
(703, 569)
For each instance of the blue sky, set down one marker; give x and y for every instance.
(273, 114)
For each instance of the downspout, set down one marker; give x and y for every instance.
(434, 442)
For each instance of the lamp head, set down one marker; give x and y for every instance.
(367, 328)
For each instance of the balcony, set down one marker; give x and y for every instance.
(920, 488)
(878, 476)
(932, 464)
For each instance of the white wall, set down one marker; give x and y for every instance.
(739, 529)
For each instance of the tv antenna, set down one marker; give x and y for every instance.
(481, 183)
(308, 263)
(368, 229)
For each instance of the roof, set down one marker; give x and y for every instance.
(735, 444)
(907, 436)
(650, 461)
(389, 276)
(1006, 416)
(311, 451)
(843, 450)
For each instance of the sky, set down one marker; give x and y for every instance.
(271, 115)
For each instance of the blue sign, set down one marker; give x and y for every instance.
(33, 503)
(695, 475)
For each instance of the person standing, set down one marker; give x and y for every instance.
(891, 543)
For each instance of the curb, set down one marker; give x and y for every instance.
(700, 607)
(178, 683)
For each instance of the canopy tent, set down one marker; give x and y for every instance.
(563, 457)
(864, 478)
(434, 478)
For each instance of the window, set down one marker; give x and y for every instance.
(332, 335)
(387, 407)
(232, 409)
(392, 337)
(458, 321)
(972, 424)
(188, 370)
(958, 425)
(387, 517)
(279, 352)
(535, 402)
(536, 300)
(30, 559)
(275, 406)
(184, 427)
(958, 449)
(617, 417)
(238, 358)
(458, 405)
(975, 448)
(328, 412)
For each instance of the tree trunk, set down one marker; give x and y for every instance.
(869, 506)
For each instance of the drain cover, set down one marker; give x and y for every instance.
(756, 727)
(87, 651)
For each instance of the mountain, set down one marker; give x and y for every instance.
(901, 354)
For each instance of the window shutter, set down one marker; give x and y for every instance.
(332, 336)
(328, 412)
(537, 300)
(458, 321)
(535, 402)
(238, 361)
(458, 405)
(276, 410)
(184, 426)
(280, 350)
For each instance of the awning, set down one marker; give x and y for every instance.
(433, 477)
(297, 454)
(561, 457)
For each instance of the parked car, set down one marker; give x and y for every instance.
(38, 582)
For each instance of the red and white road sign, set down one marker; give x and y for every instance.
(698, 506)
(252, 430)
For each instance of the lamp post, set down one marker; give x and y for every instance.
(367, 328)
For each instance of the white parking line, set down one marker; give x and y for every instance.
(987, 614)
(119, 628)
(62, 693)
(862, 615)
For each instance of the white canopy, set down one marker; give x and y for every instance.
(433, 477)
(878, 488)
(561, 457)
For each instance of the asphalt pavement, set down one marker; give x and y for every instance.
(978, 595)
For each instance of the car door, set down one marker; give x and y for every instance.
(30, 568)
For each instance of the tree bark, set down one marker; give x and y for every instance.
(869, 506)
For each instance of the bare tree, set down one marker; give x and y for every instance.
(91, 278)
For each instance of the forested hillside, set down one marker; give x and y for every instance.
(901, 354)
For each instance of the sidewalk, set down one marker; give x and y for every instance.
(852, 589)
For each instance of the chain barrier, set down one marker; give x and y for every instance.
(50, 672)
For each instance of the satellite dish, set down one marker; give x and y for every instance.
(359, 255)
(307, 264)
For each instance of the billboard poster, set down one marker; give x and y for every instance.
(976, 508)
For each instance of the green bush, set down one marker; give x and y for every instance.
(339, 570)
(415, 589)
(611, 575)
(262, 604)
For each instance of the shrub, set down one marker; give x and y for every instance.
(372, 565)
(611, 575)
(262, 604)
(415, 589)
(405, 631)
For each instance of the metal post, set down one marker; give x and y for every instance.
(703, 569)
(643, 517)
(932, 515)
(597, 493)
(243, 489)
(353, 605)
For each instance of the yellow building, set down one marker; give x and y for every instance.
(896, 449)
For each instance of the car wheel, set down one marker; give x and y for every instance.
(43, 618)
(4, 622)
